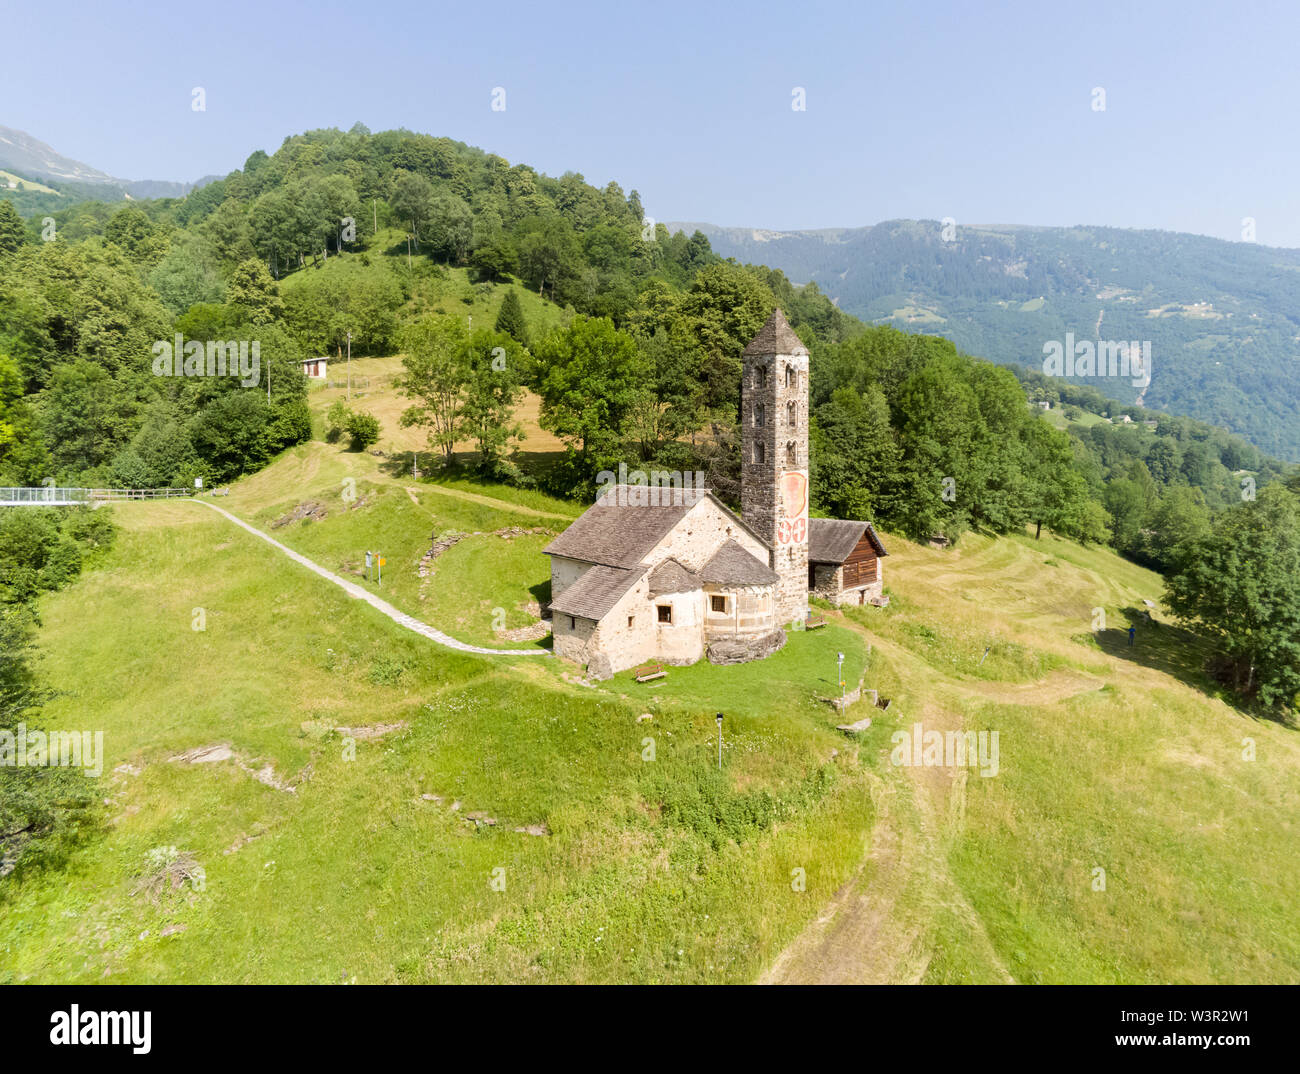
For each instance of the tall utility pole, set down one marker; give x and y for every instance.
(349, 366)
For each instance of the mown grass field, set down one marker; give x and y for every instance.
(646, 869)
(650, 865)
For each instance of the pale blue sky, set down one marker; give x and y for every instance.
(981, 112)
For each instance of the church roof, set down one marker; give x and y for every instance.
(732, 565)
(671, 577)
(617, 532)
(830, 540)
(775, 337)
(595, 592)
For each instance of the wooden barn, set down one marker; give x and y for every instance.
(844, 561)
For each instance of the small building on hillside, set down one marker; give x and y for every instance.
(844, 561)
(660, 574)
(655, 573)
(314, 367)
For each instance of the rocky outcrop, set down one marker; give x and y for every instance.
(311, 511)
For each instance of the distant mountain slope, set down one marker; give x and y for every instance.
(22, 153)
(1223, 318)
(31, 158)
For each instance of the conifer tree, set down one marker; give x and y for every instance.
(510, 319)
(12, 233)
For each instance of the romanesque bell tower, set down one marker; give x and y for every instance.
(774, 457)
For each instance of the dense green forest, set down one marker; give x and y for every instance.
(342, 238)
(1223, 318)
(43, 809)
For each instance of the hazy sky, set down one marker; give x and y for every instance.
(980, 112)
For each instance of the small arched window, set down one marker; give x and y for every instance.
(791, 454)
(791, 375)
(760, 414)
(791, 414)
(760, 452)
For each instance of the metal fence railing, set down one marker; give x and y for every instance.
(11, 497)
(140, 494)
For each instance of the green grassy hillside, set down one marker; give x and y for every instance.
(376, 782)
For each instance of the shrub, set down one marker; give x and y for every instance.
(364, 430)
(336, 420)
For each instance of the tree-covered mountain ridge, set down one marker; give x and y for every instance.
(1222, 318)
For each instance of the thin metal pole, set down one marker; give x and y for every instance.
(841, 667)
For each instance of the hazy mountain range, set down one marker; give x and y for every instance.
(31, 158)
(1222, 318)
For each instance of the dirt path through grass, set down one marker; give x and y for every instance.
(877, 928)
(484, 501)
(857, 938)
(354, 590)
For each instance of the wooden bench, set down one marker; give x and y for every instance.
(814, 621)
(649, 672)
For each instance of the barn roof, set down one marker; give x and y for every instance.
(775, 337)
(615, 533)
(732, 565)
(830, 540)
(595, 592)
(671, 577)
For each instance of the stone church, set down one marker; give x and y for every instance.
(670, 574)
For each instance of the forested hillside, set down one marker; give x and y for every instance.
(493, 281)
(1223, 318)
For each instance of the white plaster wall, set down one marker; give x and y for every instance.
(647, 639)
(564, 572)
(703, 530)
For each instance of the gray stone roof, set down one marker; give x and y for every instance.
(830, 540)
(775, 337)
(595, 592)
(732, 565)
(614, 531)
(671, 577)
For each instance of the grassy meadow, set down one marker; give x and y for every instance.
(391, 811)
